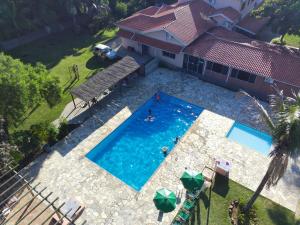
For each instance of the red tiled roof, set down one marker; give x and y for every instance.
(157, 43)
(185, 21)
(144, 22)
(190, 21)
(253, 24)
(125, 34)
(149, 11)
(254, 57)
(229, 12)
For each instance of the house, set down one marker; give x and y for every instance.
(207, 39)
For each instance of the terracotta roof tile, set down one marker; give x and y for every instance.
(254, 57)
(185, 21)
(148, 11)
(125, 34)
(229, 12)
(157, 43)
(190, 22)
(144, 22)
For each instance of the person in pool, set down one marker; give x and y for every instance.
(164, 150)
(176, 140)
(150, 117)
(157, 97)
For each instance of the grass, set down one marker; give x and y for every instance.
(292, 40)
(214, 209)
(58, 52)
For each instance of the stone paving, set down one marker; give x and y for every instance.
(108, 201)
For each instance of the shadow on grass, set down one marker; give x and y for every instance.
(52, 49)
(97, 62)
(279, 216)
(70, 85)
(221, 186)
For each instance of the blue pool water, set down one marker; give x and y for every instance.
(133, 151)
(250, 137)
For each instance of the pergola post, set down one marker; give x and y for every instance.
(73, 101)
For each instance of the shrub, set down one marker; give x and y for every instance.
(26, 141)
(249, 218)
(63, 129)
(46, 132)
(277, 41)
(31, 141)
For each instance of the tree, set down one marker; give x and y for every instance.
(285, 128)
(23, 86)
(285, 15)
(5, 148)
(121, 9)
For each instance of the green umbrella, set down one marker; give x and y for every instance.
(165, 200)
(192, 180)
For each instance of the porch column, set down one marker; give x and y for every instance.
(228, 74)
(73, 101)
(204, 68)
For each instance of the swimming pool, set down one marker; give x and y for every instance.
(133, 151)
(250, 137)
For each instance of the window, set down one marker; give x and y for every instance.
(169, 54)
(130, 48)
(243, 75)
(193, 64)
(216, 67)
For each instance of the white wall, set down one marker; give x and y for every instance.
(127, 42)
(155, 52)
(236, 4)
(249, 6)
(178, 61)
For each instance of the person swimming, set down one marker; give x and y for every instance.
(176, 140)
(150, 117)
(164, 150)
(157, 97)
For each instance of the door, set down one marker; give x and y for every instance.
(145, 50)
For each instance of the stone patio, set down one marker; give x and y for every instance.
(109, 201)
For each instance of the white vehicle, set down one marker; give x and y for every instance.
(104, 51)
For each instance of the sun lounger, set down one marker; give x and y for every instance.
(188, 205)
(8, 206)
(72, 209)
(183, 216)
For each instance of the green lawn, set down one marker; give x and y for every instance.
(215, 208)
(292, 40)
(58, 52)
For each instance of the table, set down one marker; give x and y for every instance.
(222, 167)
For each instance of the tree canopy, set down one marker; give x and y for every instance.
(285, 15)
(285, 128)
(23, 86)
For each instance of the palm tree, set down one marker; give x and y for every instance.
(285, 128)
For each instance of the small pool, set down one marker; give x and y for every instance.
(250, 137)
(133, 151)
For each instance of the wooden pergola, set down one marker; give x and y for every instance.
(26, 204)
(105, 80)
